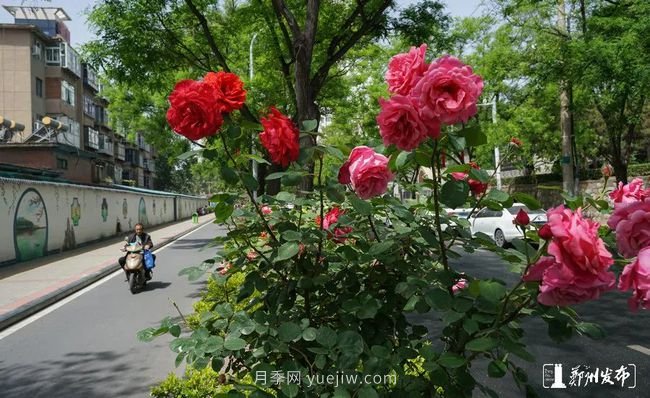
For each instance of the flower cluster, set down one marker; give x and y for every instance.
(425, 96)
(197, 107)
(280, 137)
(332, 217)
(477, 187)
(577, 269)
(631, 221)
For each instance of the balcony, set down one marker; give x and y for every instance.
(105, 145)
(121, 151)
(65, 56)
(90, 77)
(92, 138)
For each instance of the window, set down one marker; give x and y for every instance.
(89, 106)
(53, 55)
(146, 182)
(61, 163)
(67, 92)
(39, 87)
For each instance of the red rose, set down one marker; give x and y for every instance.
(545, 232)
(522, 218)
(400, 124)
(331, 218)
(516, 142)
(194, 112)
(405, 70)
(280, 138)
(229, 89)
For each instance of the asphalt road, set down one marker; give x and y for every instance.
(88, 347)
(623, 328)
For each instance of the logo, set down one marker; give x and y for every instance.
(552, 376)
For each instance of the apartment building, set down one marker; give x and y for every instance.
(60, 119)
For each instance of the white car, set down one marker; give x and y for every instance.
(499, 224)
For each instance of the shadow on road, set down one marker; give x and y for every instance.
(192, 244)
(76, 375)
(156, 285)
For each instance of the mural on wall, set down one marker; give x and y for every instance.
(125, 209)
(142, 212)
(104, 210)
(118, 226)
(154, 207)
(130, 225)
(30, 226)
(75, 212)
(165, 206)
(69, 242)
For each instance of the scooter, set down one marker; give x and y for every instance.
(134, 267)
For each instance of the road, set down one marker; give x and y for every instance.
(88, 346)
(623, 328)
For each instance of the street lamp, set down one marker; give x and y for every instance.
(250, 75)
(497, 153)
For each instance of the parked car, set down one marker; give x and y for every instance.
(499, 224)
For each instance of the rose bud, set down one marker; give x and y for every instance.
(522, 218)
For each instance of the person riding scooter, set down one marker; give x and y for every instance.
(141, 238)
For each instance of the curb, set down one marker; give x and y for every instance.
(12, 317)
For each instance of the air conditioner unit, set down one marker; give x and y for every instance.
(36, 50)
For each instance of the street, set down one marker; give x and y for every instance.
(88, 347)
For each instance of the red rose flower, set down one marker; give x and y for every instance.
(516, 142)
(194, 112)
(280, 138)
(545, 232)
(522, 218)
(229, 89)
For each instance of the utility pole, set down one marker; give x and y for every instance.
(250, 75)
(497, 152)
(566, 100)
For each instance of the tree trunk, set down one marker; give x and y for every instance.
(620, 168)
(568, 182)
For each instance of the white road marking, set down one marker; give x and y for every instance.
(33, 318)
(639, 348)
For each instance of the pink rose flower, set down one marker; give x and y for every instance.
(632, 226)
(607, 170)
(636, 276)
(536, 271)
(405, 70)
(460, 285)
(367, 171)
(266, 210)
(448, 91)
(629, 193)
(562, 286)
(576, 244)
(400, 124)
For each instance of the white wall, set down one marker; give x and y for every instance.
(37, 218)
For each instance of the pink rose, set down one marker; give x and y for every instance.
(536, 271)
(632, 226)
(636, 276)
(405, 70)
(331, 218)
(266, 210)
(607, 170)
(367, 171)
(561, 286)
(448, 91)
(460, 285)
(576, 243)
(629, 193)
(400, 124)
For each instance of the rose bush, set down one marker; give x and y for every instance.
(333, 295)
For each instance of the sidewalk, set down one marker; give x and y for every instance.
(28, 287)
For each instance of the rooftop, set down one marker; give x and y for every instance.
(38, 13)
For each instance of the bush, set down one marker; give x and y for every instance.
(203, 383)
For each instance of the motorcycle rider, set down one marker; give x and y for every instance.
(142, 238)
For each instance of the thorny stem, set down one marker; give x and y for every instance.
(322, 205)
(179, 312)
(372, 225)
(249, 192)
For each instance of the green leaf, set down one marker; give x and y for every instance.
(333, 151)
(451, 361)
(234, 343)
(368, 309)
(457, 142)
(234, 131)
(175, 330)
(290, 390)
(450, 317)
(309, 125)
(292, 236)
(528, 200)
(438, 298)
(275, 176)
(402, 159)
(335, 195)
(188, 154)
(361, 206)
(454, 193)
(286, 251)
(380, 351)
(482, 344)
(497, 195)
(229, 175)
(146, 335)
(470, 326)
(479, 174)
(289, 331)
(592, 330)
(474, 136)
(309, 334)
(410, 305)
(367, 392)
(250, 182)
(326, 336)
(285, 197)
(223, 211)
(380, 247)
(492, 291)
(350, 342)
(497, 368)
(257, 158)
(224, 310)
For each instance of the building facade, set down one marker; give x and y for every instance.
(45, 87)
